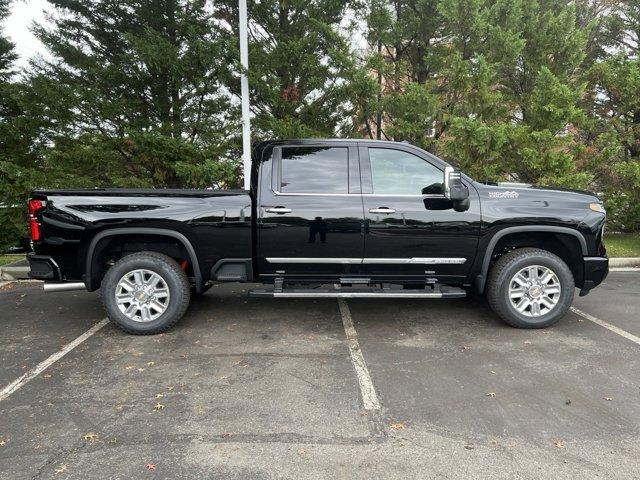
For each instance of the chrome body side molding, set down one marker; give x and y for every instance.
(313, 260)
(372, 261)
(421, 260)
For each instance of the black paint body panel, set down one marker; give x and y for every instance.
(336, 231)
(217, 224)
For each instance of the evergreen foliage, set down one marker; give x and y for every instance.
(146, 92)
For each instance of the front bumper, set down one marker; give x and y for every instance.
(596, 270)
(43, 267)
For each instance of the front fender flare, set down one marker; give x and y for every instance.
(481, 279)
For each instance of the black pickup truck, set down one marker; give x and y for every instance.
(324, 218)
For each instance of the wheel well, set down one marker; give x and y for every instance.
(565, 246)
(110, 249)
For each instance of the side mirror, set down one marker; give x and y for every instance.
(455, 190)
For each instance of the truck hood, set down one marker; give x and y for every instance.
(514, 190)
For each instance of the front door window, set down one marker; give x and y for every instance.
(395, 172)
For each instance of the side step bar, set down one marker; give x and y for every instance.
(437, 292)
(63, 286)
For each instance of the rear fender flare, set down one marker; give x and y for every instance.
(142, 231)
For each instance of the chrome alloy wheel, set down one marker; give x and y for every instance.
(534, 291)
(142, 295)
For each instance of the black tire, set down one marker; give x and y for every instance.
(172, 275)
(508, 266)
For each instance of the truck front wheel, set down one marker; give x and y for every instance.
(530, 288)
(145, 293)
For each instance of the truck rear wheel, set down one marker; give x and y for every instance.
(530, 288)
(145, 293)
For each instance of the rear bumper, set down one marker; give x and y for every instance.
(43, 267)
(596, 270)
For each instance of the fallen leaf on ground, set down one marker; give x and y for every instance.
(559, 444)
(158, 406)
(90, 436)
(397, 426)
(491, 394)
(151, 467)
(61, 469)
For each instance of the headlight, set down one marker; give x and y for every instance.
(597, 207)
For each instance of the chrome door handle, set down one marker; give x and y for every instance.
(278, 210)
(382, 210)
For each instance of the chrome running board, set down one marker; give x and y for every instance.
(359, 292)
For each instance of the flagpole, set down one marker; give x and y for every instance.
(244, 90)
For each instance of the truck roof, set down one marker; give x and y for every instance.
(259, 147)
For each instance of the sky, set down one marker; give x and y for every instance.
(17, 25)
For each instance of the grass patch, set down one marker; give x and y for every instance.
(6, 259)
(622, 244)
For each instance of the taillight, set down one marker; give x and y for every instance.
(34, 225)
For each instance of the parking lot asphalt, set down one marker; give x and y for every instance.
(266, 388)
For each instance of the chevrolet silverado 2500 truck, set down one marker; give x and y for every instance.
(324, 218)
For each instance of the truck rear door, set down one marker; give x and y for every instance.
(310, 211)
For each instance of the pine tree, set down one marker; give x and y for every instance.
(615, 137)
(18, 145)
(7, 53)
(494, 86)
(302, 73)
(133, 89)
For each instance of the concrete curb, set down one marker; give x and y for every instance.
(9, 273)
(624, 262)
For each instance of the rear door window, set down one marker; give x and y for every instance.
(314, 170)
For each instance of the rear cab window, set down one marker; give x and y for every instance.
(314, 169)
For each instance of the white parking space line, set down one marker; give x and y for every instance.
(369, 396)
(42, 366)
(607, 325)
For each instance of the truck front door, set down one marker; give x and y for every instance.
(310, 212)
(411, 228)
